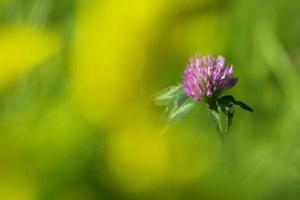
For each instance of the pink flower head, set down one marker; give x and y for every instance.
(206, 77)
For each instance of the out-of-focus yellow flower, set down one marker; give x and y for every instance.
(110, 51)
(22, 48)
(138, 155)
(141, 157)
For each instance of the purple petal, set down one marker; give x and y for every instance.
(220, 61)
(205, 75)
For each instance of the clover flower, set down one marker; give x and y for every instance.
(205, 77)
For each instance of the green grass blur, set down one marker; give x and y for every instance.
(77, 78)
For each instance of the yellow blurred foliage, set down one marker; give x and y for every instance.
(142, 158)
(110, 51)
(22, 48)
(138, 155)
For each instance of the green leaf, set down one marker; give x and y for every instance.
(180, 108)
(168, 95)
(214, 113)
(244, 106)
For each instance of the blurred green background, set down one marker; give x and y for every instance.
(77, 78)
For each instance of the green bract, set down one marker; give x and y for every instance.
(221, 110)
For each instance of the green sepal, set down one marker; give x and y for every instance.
(176, 102)
(214, 113)
(244, 106)
(168, 95)
(181, 107)
(226, 104)
(229, 100)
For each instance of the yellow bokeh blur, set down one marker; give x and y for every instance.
(138, 155)
(110, 52)
(22, 48)
(78, 115)
(142, 157)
